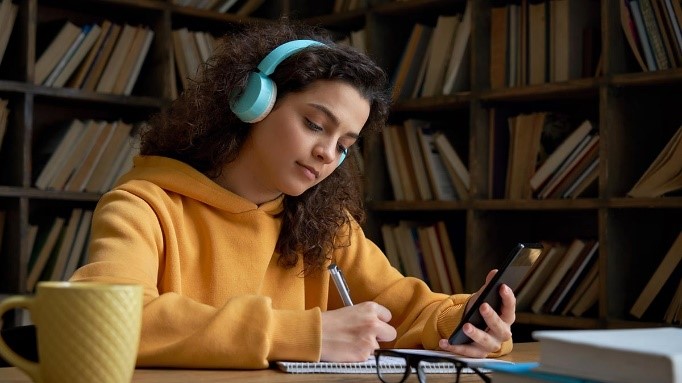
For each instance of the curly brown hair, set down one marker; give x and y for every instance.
(200, 129)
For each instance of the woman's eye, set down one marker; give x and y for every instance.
(312, 126)
(343, 150)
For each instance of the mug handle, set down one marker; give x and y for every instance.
(29, 367)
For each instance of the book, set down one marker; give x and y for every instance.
(665, 269)
(428, 255)
(83, 145)
(664, 175)
(459, 174)
(557, 157)
(441, 183)
(537, 42)
(644, 41)
(629, 29)
(578, 162)
(406, 75)
(442, 40)
(527, 372)
(137, 45)
(79, 248)
(117, 144)
(571, 18)
(573, 250)
(622, 355)
(569, 282)
(118, 56)
(405, 163)
(499, 36)
(525, 133)
(391, 246)
(439, 257)
(417, 159)
(140, 58)
(76, 81)
(100, 61)
(55, 51)
(8, 15)
(61, 64)
(394, 363)
(4, 117)
(449, 256)
(586, 294)
(64, 250)
(86, 166)
(654, 34)
(539, 274)
(92, 36)
(45, 243)
(60, 154)
(457, 72)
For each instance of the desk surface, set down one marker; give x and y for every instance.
(523, 352)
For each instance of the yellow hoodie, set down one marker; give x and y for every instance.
(214, 296)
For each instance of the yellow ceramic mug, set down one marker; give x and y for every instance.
(87, 332)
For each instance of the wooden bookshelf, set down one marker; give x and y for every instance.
(635, 112)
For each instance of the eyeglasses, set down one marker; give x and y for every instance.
(395, 366)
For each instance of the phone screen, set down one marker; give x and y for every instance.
(512, 273)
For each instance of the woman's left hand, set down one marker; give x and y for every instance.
(499, 326)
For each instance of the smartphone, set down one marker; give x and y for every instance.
(512, 273)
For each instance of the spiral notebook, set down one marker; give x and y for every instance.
(393, 364)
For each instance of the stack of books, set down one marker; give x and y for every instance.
(607, 356)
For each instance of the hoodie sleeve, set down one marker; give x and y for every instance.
(127, 246)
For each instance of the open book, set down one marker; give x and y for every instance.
(397, 364)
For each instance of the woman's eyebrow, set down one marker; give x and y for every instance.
(332, 117)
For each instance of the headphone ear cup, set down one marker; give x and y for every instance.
(257, 99)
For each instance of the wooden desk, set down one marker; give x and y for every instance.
(523, 352)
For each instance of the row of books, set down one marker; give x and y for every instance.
(668, 272)
(423, 164)
(534, 42)
(105, 58)
(653, 29)
(592, 356)
(4, 118)
(238, 7)
(435, 59)
(191, 49)
(87, 156)
(424, 251)
(8, 15)
(58, 247)
(563, 280)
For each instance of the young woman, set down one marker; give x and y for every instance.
(233, 212)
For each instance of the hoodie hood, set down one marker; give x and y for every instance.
(177, 177)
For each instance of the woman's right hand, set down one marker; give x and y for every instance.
(351, 334)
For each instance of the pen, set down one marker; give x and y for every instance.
(340, 283)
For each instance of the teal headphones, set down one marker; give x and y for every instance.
(260, 93)
(257, 99)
